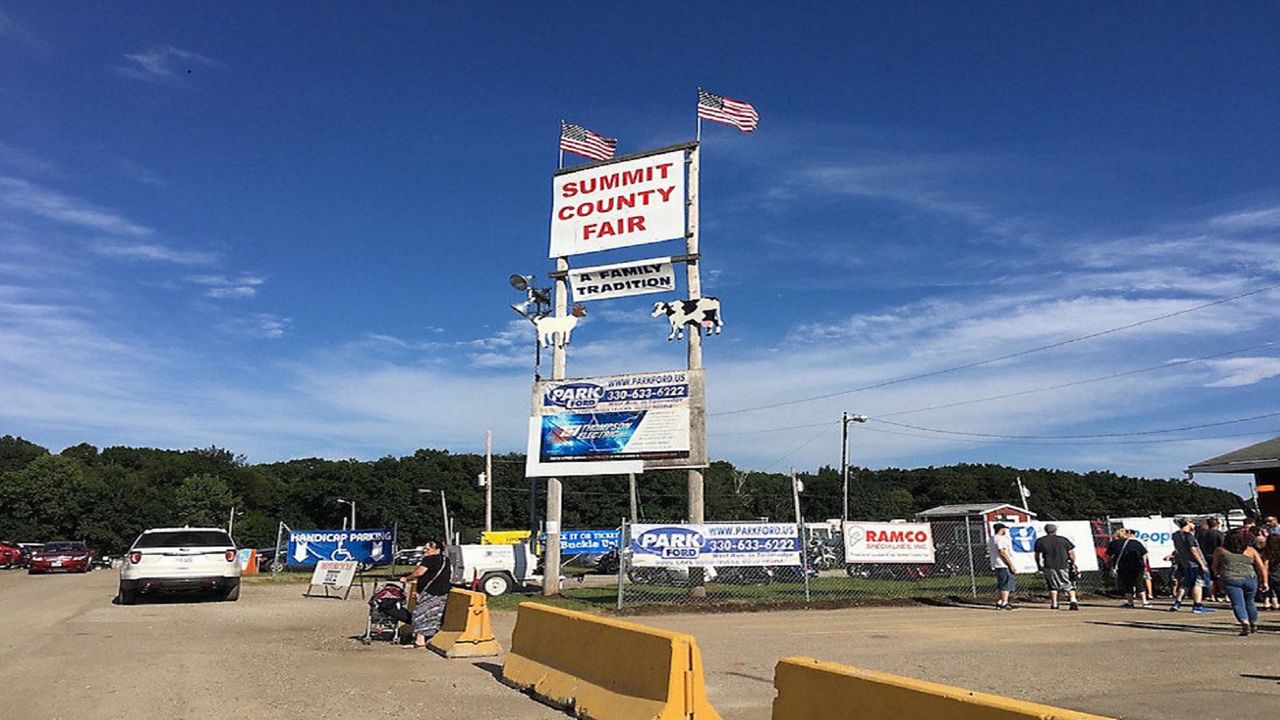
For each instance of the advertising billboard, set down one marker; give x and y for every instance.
(647, 417)
(618, 204)
(871, 542)
(715, 544)
(1156, 534)
(307, 547)
(1024, 536)
(605, 282)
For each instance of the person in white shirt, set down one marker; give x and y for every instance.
(1000, 551)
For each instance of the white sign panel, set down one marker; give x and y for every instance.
(605, 282)
(620, 204)
(715, 544)
(868, 542)
(643, 416)
(336, 574)
(1154, 533)
(1024, 536)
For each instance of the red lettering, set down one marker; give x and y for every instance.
(565, 213)
(666, 193)
(569, 190)
(663, 168)
(631, 177)
(635, 224)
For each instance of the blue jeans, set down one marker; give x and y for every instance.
(1242, 592)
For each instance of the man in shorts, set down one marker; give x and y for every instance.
(1056, 558)
(1194, 566)
(1000, 552)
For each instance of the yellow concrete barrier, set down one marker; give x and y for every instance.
(810, 689)
(605, 669)
(465, 631)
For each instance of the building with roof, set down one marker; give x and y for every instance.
(1262, 460)
(984, 513)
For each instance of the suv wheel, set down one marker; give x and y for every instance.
(233, 594)
(127, 595)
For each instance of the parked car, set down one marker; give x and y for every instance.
(180, 560)
(11, 555)
(60, 556)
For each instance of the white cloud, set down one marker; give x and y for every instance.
(1237, 372)
(165, 65)
(1264, 219)
(223, 287)
(154, 252)
(141, 173)
(51, 205)
(231, 293)
(24, 162)
(268, 326)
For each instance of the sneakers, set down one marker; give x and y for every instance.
(1074, 606)
(1175, 607)
(1202, 610)
(1055, 606)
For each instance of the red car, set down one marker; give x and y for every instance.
(61, 556)
(10, 555)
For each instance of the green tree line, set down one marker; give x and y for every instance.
(108, 496)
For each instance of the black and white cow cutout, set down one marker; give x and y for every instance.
(703, 313)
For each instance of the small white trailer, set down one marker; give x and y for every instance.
(498, 569)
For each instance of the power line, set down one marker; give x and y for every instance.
(1112, 376)
(999, 358)
(1066, 443)
(1076, 437)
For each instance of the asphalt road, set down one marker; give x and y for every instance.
(68, 652)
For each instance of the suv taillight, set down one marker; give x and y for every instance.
(135, 557)
(231, 556)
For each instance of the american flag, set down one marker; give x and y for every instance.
(727, 110)
(581, 141)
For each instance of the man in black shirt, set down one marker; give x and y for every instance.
(1211, 538)
(1056, 557)
(1194, 565)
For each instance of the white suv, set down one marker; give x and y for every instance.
(180, 559)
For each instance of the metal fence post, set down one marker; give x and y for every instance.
(624, 542)
(968, 544)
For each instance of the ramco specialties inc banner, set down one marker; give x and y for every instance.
(715, 545)
(643, 416)
(872, 542)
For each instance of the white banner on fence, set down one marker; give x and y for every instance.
(1156, 534)
(335, 574)
(715, 544)
(1024, 536)
(620, 204)
(871, 542)
(605, 282)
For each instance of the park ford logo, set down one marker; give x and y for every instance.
(669, 542)
(575, 396)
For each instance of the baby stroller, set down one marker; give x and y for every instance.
(386, 612)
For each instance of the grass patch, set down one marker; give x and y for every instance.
(592, 600)
(284, 578)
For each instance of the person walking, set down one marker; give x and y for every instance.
(1130, 561)
(1056, 558)
(1210, 539)
(1000, 553)
(433, 579)
(1273, 525)
(1271, 559)
(1238, 565)
(1194, 565)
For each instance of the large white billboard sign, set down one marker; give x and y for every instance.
(1024, 536)
(869, 542)
(621, 204)
(605, 282)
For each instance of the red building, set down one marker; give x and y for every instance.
(980, 513)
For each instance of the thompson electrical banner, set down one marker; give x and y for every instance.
(605, 282)
(715, 544)
(869, 542)
(1156, 534)
(618, 204)
(307, 547)
(1024, 536)
(643, 417)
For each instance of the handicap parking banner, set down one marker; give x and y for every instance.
(307, 547)
(715, 544)
(1024, 536)
(1156, 534)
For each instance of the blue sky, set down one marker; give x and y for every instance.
(286, 229)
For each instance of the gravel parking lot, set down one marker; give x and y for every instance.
(68, 652)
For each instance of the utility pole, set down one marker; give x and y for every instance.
(551, 557)
(488, 480)
(845, 419)
(697, 507)
(635, 498)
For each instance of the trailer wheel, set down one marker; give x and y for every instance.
(494, 584)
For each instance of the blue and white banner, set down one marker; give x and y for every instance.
(1023, 537)
(715, 544)
(1156, 533)
(588, 542)
(307, 547)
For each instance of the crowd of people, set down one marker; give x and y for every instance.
(1241, 566)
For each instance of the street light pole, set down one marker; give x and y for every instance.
(488, 480)
(352, 503)
(845, 419)
(444, 513)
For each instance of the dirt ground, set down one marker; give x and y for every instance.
(68, 652)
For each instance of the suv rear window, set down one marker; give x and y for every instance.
(184, 538)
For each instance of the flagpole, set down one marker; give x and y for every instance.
(560, 163)
(698, 136)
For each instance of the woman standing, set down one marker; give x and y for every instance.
(1271, 558)
(1131, 560)
(1239, 565)
(433, 577)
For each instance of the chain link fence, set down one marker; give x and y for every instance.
(960, 573)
